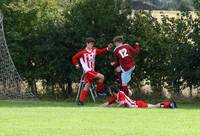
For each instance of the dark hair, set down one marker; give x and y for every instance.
(118, 38)
(114, 89)
(90, 39)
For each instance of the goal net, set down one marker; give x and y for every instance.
(11, 84)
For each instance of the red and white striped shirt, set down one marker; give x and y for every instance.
(87, 58)
(122, 97)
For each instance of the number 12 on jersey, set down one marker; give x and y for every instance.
(123, 53)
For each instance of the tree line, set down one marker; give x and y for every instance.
(43, 35)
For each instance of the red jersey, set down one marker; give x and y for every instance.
(87, 58)
(124, 56)
(122, 97)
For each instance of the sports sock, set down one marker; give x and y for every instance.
(125, 89)
(165, 104)
(99, 86)
(83, 96)
(119, 77)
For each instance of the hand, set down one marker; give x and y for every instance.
(104, 105)
(110, 45)
(112, 63)
(121, 103)
(77, 66)
(137, 43)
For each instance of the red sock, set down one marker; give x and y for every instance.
(119, 77)
(99, 86)
(83, 96)
(125, 90)
(165, 104)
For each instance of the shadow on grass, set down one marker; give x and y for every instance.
(38, 103)
(72, 104)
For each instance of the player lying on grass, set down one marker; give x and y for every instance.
(87, 61)
(124, 101)
(124, 61)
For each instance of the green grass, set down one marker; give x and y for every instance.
(43, 118)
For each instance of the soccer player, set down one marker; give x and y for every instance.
(87, 61)
(124, 61)
(124, 101)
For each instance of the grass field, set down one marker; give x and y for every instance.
(43, 118)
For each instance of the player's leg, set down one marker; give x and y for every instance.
(126, 77)
(100, 78)
(125, 89)
(165, 104)
(88, 78)
(119, 74)
(83, 94)
(153, 105)
(168, 104)
(91, 75)
(142, 104)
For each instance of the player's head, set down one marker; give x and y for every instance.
(117, 40)
(90, 41)
(114, 89)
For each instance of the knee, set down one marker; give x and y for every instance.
(124, 84)
(87, 85)
(118, 69)
(102, 77)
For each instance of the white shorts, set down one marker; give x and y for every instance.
(126, 75)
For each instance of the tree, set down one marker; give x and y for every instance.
(32, 19)
(196, 4)
(101, 19)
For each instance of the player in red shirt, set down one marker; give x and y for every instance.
(124, 61)
(87, 61)
(123, 100)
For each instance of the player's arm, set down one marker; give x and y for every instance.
(106, 104)
(109, 102)
(104, 50)
(76, 57)
(116, 62)
(135, 49)
(121, 103)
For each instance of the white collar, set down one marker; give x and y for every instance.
(118, 46)
(88, 50)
